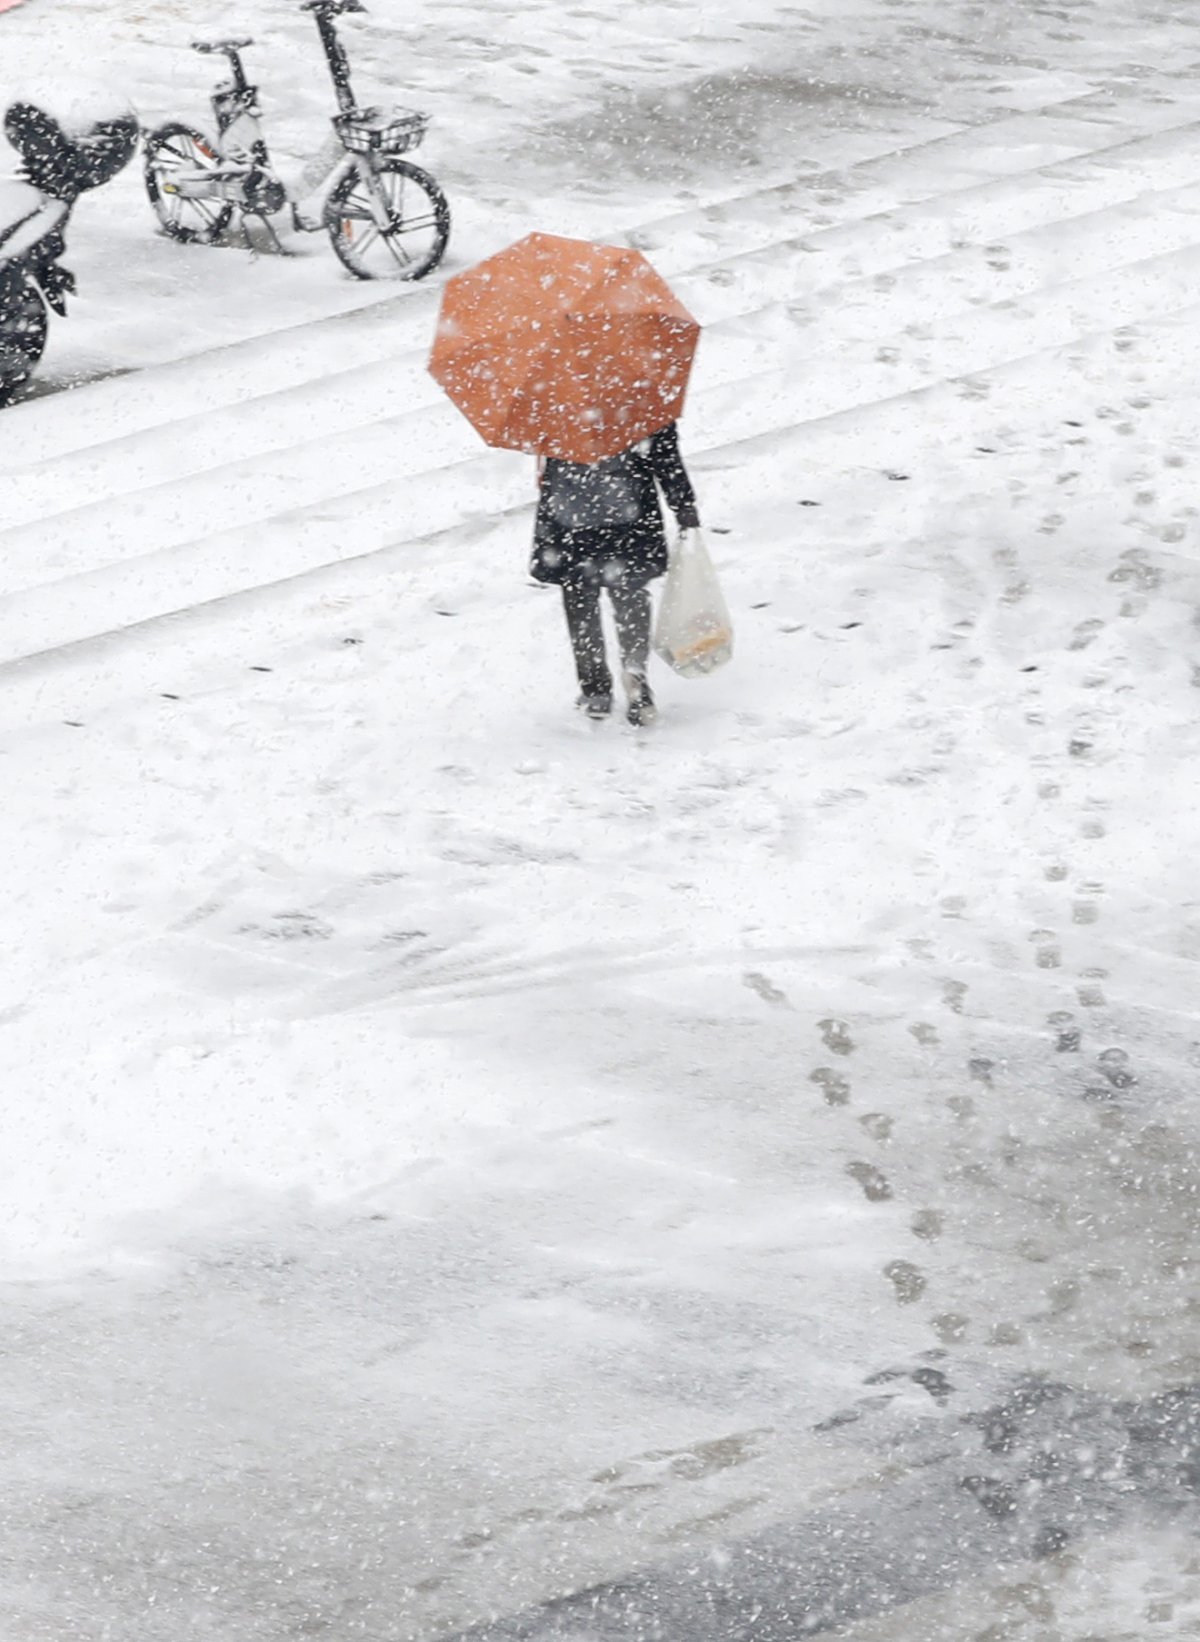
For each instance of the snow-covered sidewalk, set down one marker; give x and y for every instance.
(454, 1152)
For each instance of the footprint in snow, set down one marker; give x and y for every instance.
(765, 988)
(908, 1281)
(1135, 567)
(1067, 1036)
(954, 995)
(951, 1327)
(927, 1224)
(834, 1087)
(1114, 1065)
(878, 1125)
(1085, 633)
(835, 1035)
(1047, 954)
(873, 1181)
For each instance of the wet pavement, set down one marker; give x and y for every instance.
(1032, 1476)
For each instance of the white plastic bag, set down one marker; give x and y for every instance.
(693, 633)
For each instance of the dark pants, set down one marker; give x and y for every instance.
(631, 608)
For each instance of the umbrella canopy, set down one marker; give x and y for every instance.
(564, 348)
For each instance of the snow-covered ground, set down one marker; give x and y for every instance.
(454, 1153)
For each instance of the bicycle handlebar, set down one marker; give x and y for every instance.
(229, 47)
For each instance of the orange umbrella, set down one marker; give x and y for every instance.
(564, 348)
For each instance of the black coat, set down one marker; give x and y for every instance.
(631, 553)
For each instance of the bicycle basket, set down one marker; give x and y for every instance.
(367, 131)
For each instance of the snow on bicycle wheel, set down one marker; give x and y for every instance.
(414, 239)
(175, 155)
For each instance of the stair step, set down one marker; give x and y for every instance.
(864, 395)
(961, 158)
(375, 387)
(974, 285)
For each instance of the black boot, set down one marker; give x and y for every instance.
(641, 709)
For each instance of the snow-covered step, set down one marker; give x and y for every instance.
(979, 413)
(361, 400)
(917, 318)
(209, 646)
(961, 159)
(68, 424)
(385, 380)
(803, 319)
(197, 647)
(1036, 228)
(988, 337)
(1094, 127)
(193, 570)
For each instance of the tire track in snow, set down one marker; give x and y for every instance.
(414, 981)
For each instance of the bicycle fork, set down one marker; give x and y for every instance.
(329, 170)
(382, 214)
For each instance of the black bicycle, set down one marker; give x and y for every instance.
(385, 217)
(35, 208)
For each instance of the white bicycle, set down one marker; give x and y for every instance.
(385, 217)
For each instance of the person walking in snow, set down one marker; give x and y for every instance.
(599, 528)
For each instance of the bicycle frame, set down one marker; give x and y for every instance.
(244, 178)
(242, 148)
(239, 132)
(307, 213)
(335, 56)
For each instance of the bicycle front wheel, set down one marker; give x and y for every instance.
(22, 335)
(414, 241)
(174, 151)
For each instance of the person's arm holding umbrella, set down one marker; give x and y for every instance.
(667, 465)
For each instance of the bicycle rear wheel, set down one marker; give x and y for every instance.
(176, 150)
(414, 241)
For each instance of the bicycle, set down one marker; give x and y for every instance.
(385, 217)
(57, 166)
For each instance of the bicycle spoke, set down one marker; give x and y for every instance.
(399, 255)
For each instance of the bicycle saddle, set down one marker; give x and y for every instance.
(332, 8)
(220, 45)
